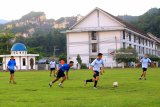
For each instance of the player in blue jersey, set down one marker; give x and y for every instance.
(97, 66)
(11, 64)
(60, 73)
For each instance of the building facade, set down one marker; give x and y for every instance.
(102, 32)
(24, 61)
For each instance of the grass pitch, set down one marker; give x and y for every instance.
(32, 89)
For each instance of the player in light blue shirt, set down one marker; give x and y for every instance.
(60, 73)
(97, 66)
(11, 64)
(144, 62)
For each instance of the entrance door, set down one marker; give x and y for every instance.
(31, 63)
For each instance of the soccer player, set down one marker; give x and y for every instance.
(60, 73)
(97, 66)
(11, 64)
(52, 67)
(144, 62)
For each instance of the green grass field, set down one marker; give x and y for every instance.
(32, 89)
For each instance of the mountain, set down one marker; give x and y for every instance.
(2, 21)
(35, 22)
(149, 22)
(128, 18)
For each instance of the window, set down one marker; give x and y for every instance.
(134, 38)
(129, 36)
(143, 50)
(135, 47)
(139, 49)
(123, 34)
(94, 47)
(24, 62)
(94, 36)
(130, 45)
(143, 41)
(139, 40)
(146, 43)
(124, 45)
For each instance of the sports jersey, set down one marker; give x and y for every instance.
(52, 64)
(65, 67)
(144, 62)
(97, 64)
(11, 64)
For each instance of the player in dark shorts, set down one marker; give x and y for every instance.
(11, 64)
(60, 73)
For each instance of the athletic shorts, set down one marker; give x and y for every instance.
(96, 74)
(60, 74)
(52, 69)
(11, 71)
(144, 69)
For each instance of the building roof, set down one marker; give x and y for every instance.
(18, 47)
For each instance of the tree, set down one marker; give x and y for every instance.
(79, 60)
(63, 57)
(126, 55)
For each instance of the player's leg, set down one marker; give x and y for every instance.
(50, 72)
(142, 74)
(51, 83)
(63, 79)
(145, 74)
(13, 79)
(90, 80)
(96, 80)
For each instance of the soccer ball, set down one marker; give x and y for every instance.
(115, 84)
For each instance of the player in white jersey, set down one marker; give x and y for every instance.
(144, 62)
(97, 67)
(52, 67)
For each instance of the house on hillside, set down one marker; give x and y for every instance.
(99, 31)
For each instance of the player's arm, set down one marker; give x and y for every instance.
(67, 75)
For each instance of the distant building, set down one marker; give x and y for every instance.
(24, 61)
(99, 31)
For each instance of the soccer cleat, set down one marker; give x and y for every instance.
(60, 85)
(14, 82)
(50, 84)
(85, 82)
(145, 79)
(140, 78)
(95, 88)
(10, 82)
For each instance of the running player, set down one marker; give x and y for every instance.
(97, 67)
(144, 62)
(11, 64)
(60, 73)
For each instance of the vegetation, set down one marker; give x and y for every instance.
(32, 89)
(126, 55)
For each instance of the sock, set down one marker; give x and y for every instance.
(90, 80)
(51, 83)
(95, 83)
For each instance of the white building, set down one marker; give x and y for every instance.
(102, 32)
(24, 61)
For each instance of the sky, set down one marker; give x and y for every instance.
(54, 9)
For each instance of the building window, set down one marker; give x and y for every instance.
(139, 41)
(24, 62)
(143, 41)
(124, 45)
(123, 34)
(94, 47)
(93, 35)
(139, 50)
(134, 38)
(135, 47)
(130, 37)
(143, 50)
(130, 45)
(146, 43)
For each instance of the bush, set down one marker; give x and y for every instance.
(84, 66)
